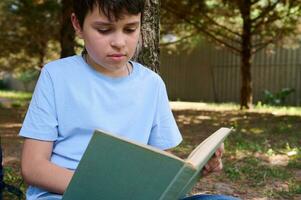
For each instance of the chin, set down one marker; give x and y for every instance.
(116, 65)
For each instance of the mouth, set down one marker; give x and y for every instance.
(118, 57)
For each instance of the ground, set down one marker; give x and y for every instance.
(254, 151)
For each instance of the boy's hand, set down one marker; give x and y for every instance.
(215, 163)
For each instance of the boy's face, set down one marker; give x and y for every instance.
(110, 44)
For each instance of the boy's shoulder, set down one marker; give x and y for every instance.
(147, 72)
(62, 64)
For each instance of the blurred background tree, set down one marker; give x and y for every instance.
(37, 31)
(67, 34)
(30, 33)
(243, 26)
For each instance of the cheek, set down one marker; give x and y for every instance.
(134, 41)
(96, 42)
(93, 38)
(96, 49)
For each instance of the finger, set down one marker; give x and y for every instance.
(219, 152)
(216, 164)
(218, 168)
(222, 148)
(208, 168)
(205, 172)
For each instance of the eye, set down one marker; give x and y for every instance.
(130, 30)
(104, 31)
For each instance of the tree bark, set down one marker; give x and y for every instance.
(149, 52)
(246, 98)
(67, 34)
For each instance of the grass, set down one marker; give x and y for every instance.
(262, 153)
(266, 154)
(278, 110)
(259, 108)
(12, 177)
(15, 95)
(15, 99)
(254, 171)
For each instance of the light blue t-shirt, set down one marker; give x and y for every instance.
(71, 100)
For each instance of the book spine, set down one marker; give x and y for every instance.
(174, 189)
(189, 185)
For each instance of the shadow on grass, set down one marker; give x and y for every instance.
(263, 153)
(262, 158)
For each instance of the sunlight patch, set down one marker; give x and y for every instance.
(11, 125)
(203, 117)
(256, 130)
(278, 160)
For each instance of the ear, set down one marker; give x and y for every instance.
(76, 26)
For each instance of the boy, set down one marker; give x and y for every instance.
(100, 89)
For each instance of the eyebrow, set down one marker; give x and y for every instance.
(101, 23)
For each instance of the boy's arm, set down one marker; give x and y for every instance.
(37, 170)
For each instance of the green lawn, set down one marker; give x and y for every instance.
(15, 95)
(263, 153)
(14, 98)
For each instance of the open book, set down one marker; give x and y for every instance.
(116, 168)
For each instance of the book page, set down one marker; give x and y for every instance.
(203, 152)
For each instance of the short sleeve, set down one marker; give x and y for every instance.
(41, 119)
(165, 133)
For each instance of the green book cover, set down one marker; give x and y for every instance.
(117, 168)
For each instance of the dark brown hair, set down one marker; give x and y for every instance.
(113, 9)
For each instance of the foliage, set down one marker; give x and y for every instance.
(31, 29)
(2, 84)
(12, 177)
(222, 21)
(278, 98)
(244, 27)
(27, 76)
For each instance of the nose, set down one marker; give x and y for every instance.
(118, 40)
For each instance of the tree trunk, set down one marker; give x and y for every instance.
(67, 34)
(149, 52)
(246, 98)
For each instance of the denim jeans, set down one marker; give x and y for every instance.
(210, 197)
(195, 197)
(50, 197)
